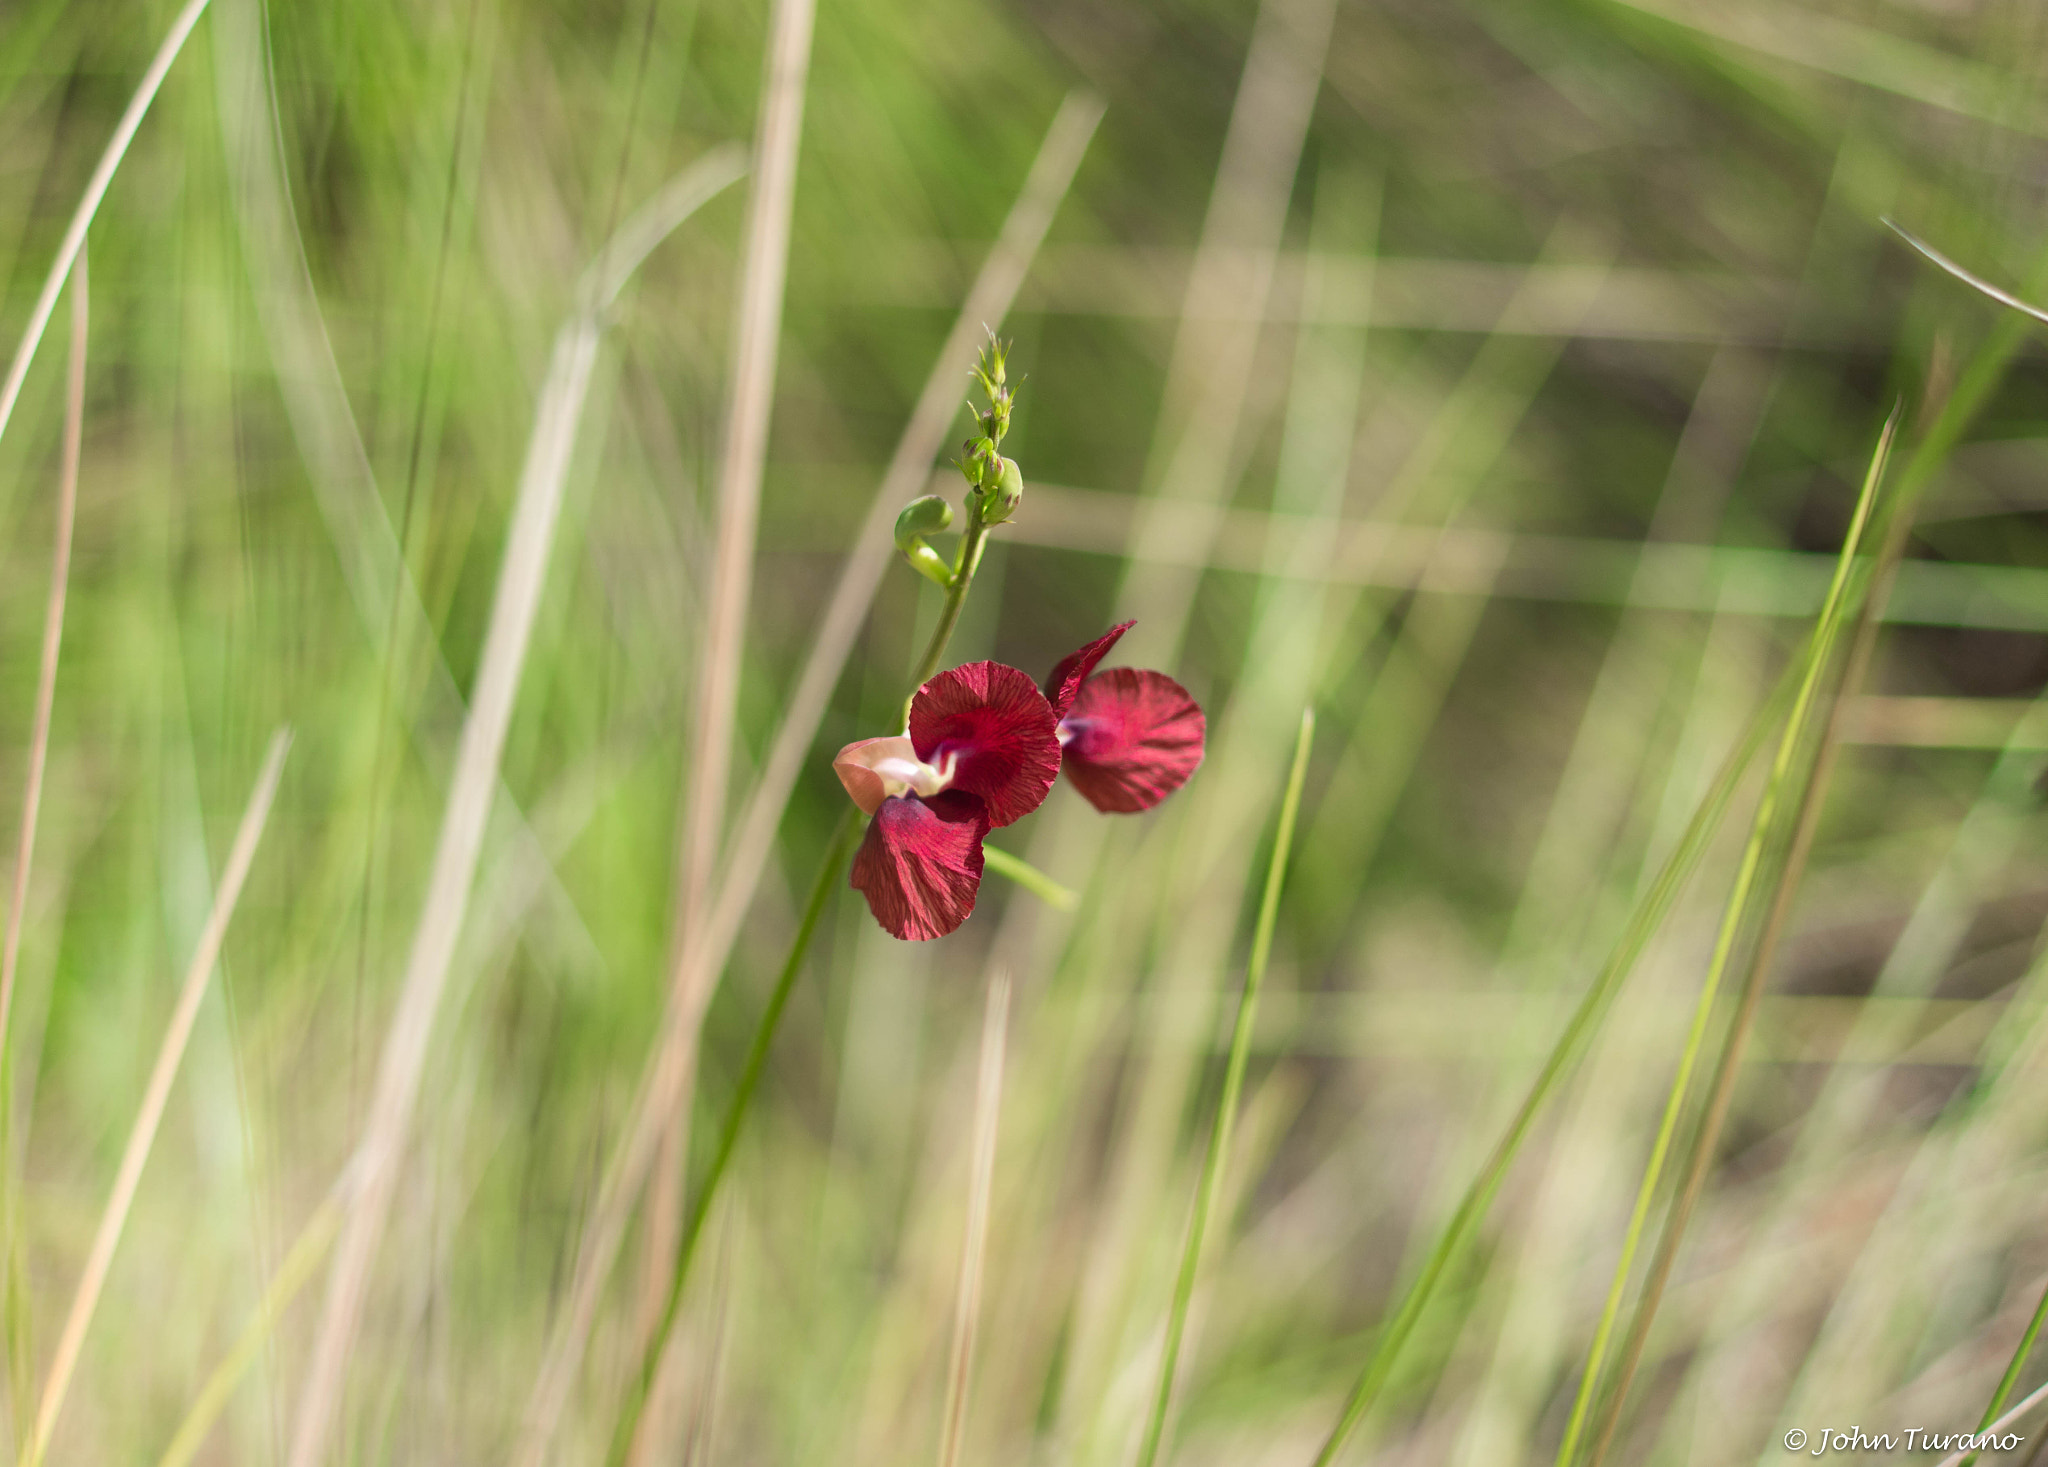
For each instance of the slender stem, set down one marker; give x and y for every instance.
(1030, 878)
(971, 545)
(836, 854)
(1211, 1189)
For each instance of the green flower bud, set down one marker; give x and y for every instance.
(921, 517)
(927, 516)
(1002, 493)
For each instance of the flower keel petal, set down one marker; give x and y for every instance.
(998, 732)
(1133, 738)
(920, 864)
(1073, 669)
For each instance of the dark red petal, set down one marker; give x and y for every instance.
(1133, 739)
(920, 864)
(995, 723)
(1073, 669)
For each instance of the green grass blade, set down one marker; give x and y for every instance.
(1211, 1187)
(2011, 1377)
(1644, 921)
(1779, 796)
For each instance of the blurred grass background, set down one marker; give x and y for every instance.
(1505, 398)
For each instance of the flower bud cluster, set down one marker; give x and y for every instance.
(996, 485)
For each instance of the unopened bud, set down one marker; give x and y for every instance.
(1002, 492)
(927, 516)
(921, 517)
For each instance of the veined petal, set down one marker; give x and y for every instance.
(1073, 669)
(874, 769)
(1132, 739)
(990, 728)
(920, 864)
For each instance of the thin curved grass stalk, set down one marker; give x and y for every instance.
(73, 243)
(142, 1136)
(837, 852)
(1210, 1187)
(1790, 791)
(543, 479)
(1975, 282)
(31, 806)
(667, 1071)
(300, 1263)
(1643, 924)
(988, 1105)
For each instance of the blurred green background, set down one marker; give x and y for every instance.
(1506, 401)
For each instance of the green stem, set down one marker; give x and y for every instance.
(836, 854)
(1211, 1189)
(1030, 878)
(971, 545)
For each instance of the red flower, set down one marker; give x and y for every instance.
(1130, 737)
(982, 751)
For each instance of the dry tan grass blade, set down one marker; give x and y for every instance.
(988, 1106)
(757, 337)
(95, 190)
(520, 581)
(143, 1134)
(704, 952)
(1975, 282)
(53, 641)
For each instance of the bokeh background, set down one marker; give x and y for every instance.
(1495, 378)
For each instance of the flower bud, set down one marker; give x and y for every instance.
(1002, 492)
(927, 516)
(921, 517)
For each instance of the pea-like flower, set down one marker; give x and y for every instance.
(982, 750)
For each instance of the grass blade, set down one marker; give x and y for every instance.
(53, 642)
(522, 576)
(73, 243)
(2018, 1363)
(1211, 1186)
(988, 1104)
(757, 335)
(830, 869)
(16, 1321)
(143, 1134)
(1643, 924)
(1765, 830)
(1975, 282)
(668, 1070)
(292, 1275)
